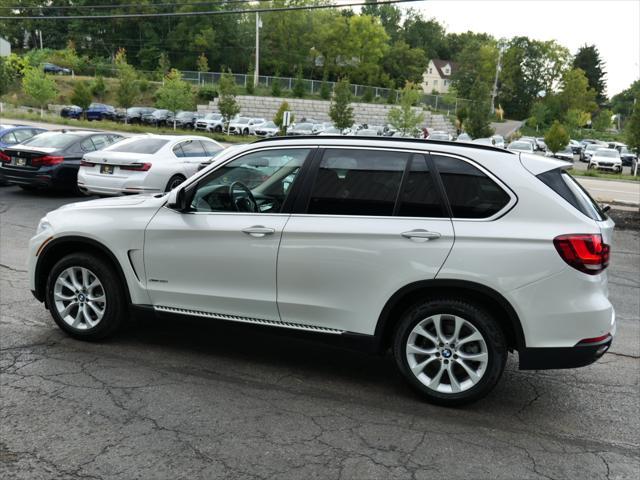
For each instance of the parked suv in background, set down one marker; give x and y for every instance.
(134, 114)
(100, 111)
(211, 122)
(451, 255)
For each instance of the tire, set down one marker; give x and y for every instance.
(174, 182)
(113, 303)
(589, 167)
(28, 188)
(245, 131)
(217, 129)
(459, 388)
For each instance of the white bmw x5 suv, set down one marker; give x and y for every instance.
(451, 255)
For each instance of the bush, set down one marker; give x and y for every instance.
(276, 88)
(367, 96)
(98, 87)
(557, 137)
(250, 87)
(207, 93)
(298, 85)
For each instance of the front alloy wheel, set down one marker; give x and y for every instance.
(79, 298)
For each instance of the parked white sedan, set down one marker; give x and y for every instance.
(144, 164)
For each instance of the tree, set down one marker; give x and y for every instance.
(298, 85)
(99, 88)
(576, 93)
(632, 130)
(557, 137)
(202, 64)
(325, 88)
(279, 118)
(575, 119)
(39, 87)
(340, 111)
(128, 89)
(403, 63)
(588, 60)
(404, 118)
(602, 121)
(164, 65)
(250, 85)
(82, 96)
(175, 94)
(476, 63)
(276, 88)
(478, 122)
(6, 76)
(539, 115)
(227, 103)
(623, 102)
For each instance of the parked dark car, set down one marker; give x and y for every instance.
(51, 159)
(186, 119)
(14, 134)
(576, 147)
(158, 118)
(627, 156)
(71, 111)
(134, 114)
(100, 111)
(55, 69)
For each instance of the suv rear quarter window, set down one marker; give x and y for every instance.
(568, 188)
(471, 193)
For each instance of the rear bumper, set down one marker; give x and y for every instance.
(58, 176)
(564, 357)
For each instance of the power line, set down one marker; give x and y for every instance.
(207, 12)
(129, 5)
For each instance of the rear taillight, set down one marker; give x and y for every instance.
(4, 157)
(584, 252)
(138, 167)
(84, 163)
(47, 160)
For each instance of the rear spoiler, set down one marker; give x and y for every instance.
(537, 164)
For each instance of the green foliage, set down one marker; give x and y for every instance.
(99, 88)
(6, 77)
(82, 95)
(588, 60)
(164, 65)
(623, 102)
(341, 111)
(476, 63)
(403, 63)
(144, 85)
(128, 89)
(602, 121)
(298, 85)
(250, 86)
(404, 118)
(632, 130)
(367, 96)
(478, 121)
(539, 115)
(276, 88)
(576, 118)
(16, 65)
(227, 103)
(557, 137)
(461, 116)
(202, 64)
(325, 88)
(39, 87)
(206, 93)
(175, 94)
(576, 93)
(279, 117)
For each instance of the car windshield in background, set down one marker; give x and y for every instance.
(268, 125)
(142, 145)
(607, 153)
(160, 113)
(439, 137)
(212, 116)
(304, 126)
(520, 146)
(52, 140)
(242, 120)
(185, 115)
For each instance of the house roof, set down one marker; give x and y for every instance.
(440, 64)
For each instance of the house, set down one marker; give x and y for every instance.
(5, 48)
(438, 76)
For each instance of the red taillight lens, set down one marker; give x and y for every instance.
(84, 163)
(584, 252)
(138, 167)
(599, 339)
(47, 160)
(4, 157)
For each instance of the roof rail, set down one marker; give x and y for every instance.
(380, 138)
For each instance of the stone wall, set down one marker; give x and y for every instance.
(370, 113)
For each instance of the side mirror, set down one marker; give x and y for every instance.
(177, 199)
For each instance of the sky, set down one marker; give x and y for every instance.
(612, 25)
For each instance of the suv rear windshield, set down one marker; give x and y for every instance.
(143, 145)
(568, 188)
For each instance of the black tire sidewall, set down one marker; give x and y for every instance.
(115, 296)
(481, 320)
(168, 187)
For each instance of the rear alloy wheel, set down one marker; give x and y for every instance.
(217, 129)
(174, 182)
(450, 350)
(85, 296)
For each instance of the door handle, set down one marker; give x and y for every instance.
(420, 235)
(258, 231)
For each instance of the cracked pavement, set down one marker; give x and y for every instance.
(202, 399)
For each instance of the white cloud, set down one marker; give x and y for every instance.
(612, 25)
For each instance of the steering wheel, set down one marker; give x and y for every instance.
(244, 204)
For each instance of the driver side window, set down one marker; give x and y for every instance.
(254, 183)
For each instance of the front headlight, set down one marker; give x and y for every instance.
(43, 225)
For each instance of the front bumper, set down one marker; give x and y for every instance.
(564, 357)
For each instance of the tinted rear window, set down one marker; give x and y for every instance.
(568, 188)
(53, 140)
(143, 145)
(471, 193)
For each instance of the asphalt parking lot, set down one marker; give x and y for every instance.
(206, 400)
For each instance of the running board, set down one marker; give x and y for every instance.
(256, 321)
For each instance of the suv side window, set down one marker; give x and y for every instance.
(357, 182)
(420, 195)
(255, 183)
(470, 192)
(177, 151)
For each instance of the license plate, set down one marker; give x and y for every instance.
(106, 169)
(20, 162)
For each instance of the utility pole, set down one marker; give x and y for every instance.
(40, 35)
(494, 91)
(256, 73)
